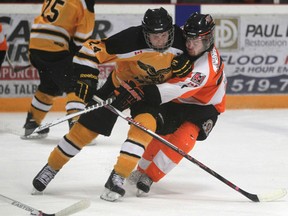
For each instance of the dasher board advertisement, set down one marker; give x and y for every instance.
(255, 51)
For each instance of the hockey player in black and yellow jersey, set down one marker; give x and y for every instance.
(56, 34)
(143, 54)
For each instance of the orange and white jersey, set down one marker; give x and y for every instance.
(60, 22)
(3, 42)
(133, 58)
(204, 85)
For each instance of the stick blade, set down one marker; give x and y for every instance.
(76, 207)
(272, 196)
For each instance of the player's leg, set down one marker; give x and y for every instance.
(158, 159)
(196, 123)
(68, 147)
(64, 76)
(47, 90)
(89, 125)
(130, 152)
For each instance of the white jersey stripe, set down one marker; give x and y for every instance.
(68, 148)
(40, 106)
(132, 148)
(163, 162)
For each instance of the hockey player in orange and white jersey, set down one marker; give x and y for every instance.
(199, 97)
(56, 34)
(143, 54)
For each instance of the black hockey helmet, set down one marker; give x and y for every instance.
(200, 26)
(158, 21)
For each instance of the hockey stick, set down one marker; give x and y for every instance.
(72, 115)
(16, 69)
(74, 208)
(274, 195)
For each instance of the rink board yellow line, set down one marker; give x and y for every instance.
(257, 102)
(233, 102)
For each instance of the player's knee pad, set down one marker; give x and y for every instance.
(184, 138)
(80, 136)
(148, 121)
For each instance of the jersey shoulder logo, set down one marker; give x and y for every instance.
(198, 78)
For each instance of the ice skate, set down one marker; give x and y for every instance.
(71, 122)
(42, 179)
(30, 126)
(134, 177)
(144, 183)
(114, 188)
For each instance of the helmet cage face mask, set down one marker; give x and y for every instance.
(166, 46)
(158, 21)
(200, 27)
(207, 40)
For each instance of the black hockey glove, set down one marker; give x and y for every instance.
(86, 86)
(181, 66)
(127, 94)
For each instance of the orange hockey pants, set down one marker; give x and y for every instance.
(159, 159)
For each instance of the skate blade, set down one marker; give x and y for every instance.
(93, 143)
(34, 136)
(36, 192)
(110, 196)
(140, 193)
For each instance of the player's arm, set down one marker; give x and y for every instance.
(86, 70)
(85, 25)
(129, 93)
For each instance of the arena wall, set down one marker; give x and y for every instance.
(252, 39)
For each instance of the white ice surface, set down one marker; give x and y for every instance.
(247, 147)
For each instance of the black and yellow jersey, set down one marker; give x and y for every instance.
(60, 22)
(133, 58)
